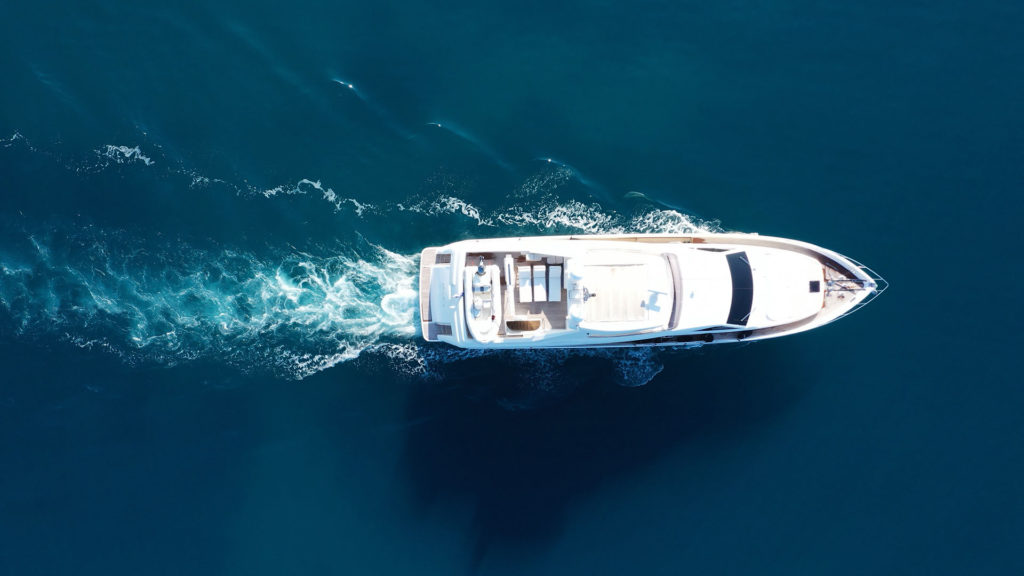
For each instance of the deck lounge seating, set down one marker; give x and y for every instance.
(525, 285)
(540, 285)
(554, 284)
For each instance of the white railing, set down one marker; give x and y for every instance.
(878, 284)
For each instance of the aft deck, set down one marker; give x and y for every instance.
(542, 298)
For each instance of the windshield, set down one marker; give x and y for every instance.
(742, 288)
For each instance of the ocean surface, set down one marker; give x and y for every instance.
(210, 221)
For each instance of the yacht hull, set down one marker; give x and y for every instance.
(628, 290)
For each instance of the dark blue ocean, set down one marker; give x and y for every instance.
(210, 221)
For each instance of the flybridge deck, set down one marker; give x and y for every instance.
(629, 290)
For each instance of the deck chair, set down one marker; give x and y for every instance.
(525, 285)
(554, 283)
(540, 285)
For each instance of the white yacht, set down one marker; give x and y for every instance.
(633, 290)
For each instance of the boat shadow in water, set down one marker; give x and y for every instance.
(523, 468)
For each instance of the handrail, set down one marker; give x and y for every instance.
(880, 284)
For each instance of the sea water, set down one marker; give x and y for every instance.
(210, 221)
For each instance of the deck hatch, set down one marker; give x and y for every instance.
(742, 288)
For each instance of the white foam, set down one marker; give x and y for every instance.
(8, 142)
(637, 366)
(200, 180)
(572, 172)
(535, 208)
(124, 154)
(671, 222)
(306, 186)
(544, 182)
(567, 215)
(293, 314)
(361, 207)
(445, 204)
(402, 357)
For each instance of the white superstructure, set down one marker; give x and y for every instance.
(633, 290)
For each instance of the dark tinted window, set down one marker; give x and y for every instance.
(742, 288)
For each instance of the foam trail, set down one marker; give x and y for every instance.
(445, 204)
(306, 185)
(124, 154)
(479, 144)
(292, 313)
(15, 137)
(350, 86)
(575, 173)
(543, 183)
